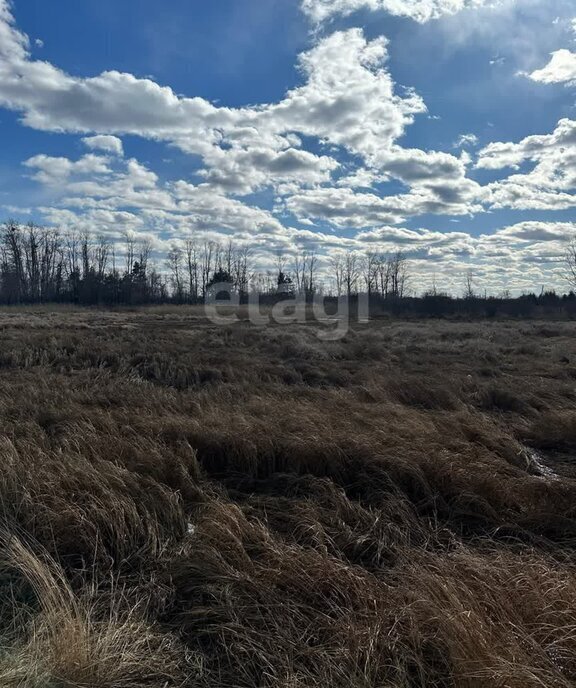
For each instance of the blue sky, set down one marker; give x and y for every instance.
(442, 127)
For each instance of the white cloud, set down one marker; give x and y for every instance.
(419, 10)
(549, 185)
(535, 231)
(517, 193)
(422, 241)
(560, 69)
(112, 102)
(348, 100)
(498, 155)
(53, 171)
(466, 140)
(343, 207)
(87, 188)
(412, 165)
(243, 170)
(108, 144)
(128, 196)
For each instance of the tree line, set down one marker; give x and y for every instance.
(44, 265)
(39, 265)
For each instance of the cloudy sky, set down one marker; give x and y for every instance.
(446, 128)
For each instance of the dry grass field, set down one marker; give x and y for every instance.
(184, 504)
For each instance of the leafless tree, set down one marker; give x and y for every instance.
(207, 258)
(337, 265)
(242, 275)
(570, 260)
(174, 264)
(299, 269)
(370, 272)
(192, 266)
(398, 274)
(383, 275)
(469, 285)
(351, 272)
(130, 242)
(144, 253)
(86, 254)
(101, 255)
(311, 269)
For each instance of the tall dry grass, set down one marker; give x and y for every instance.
(188, 505)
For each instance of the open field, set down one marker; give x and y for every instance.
(184, 504)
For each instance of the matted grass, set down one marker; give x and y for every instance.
(183, 504)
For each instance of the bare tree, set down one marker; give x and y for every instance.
(144, 253)
(85, 254)
(72, 262)
(370, 272)
(31, 250)
(351, 272)
(337, 265)
(228, 257)
(51, 265)
(32, 263)
(570, 260)
(311, 269)
(282, 281)
(207, 258)
(383, 275)
(130, 242)
(192, 266)
(398, 274)
(101, 255)
(242, 275)
(174, 264)
(469, 285)
(299, 269)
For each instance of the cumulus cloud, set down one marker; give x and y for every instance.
(108, 144)
(422, 242)
(57, 170)
(126, 195)
(551, 182)
(414, 165)
(348, 100)
(326, 150)
(243, 170)
(560, 69)
(344, 207)
(419, 10)
(537, 231)
(95, 189)
(498, 155)
(113, 102)
(466, 140)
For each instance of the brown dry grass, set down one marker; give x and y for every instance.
(189, 505)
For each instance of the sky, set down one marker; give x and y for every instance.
(442, 128)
